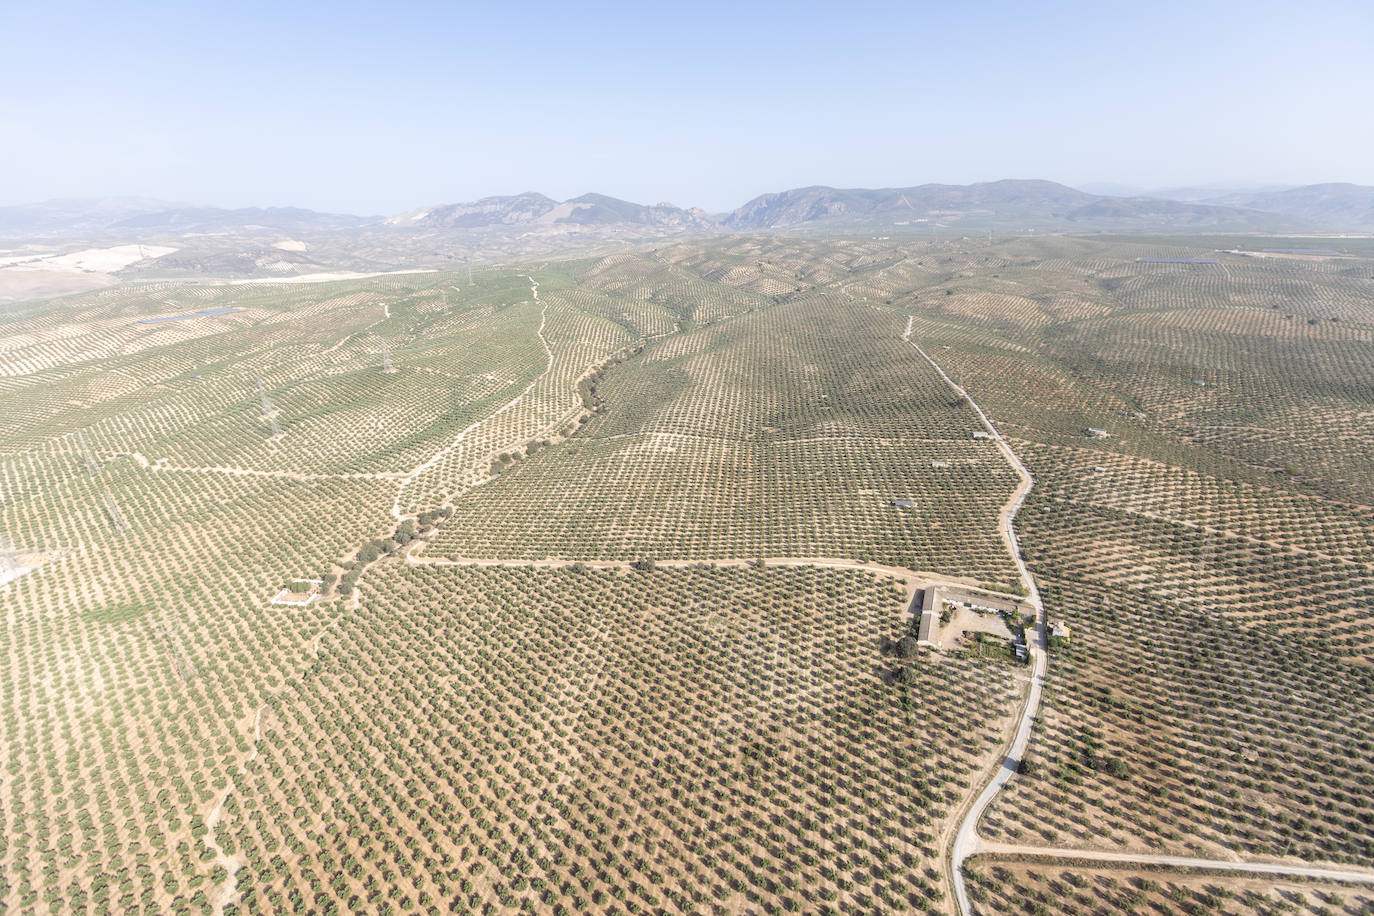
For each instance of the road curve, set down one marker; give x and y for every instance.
(966, 841)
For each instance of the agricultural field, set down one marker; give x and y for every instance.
(153, 506)
(783, 433)
(1208, 548)
(615, 557)
(689, 740)
(1045, 888)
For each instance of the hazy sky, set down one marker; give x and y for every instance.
(381, 107)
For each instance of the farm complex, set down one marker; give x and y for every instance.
(752, 574)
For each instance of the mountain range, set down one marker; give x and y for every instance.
(1329, 205)
(1009, 205)
(536, 209)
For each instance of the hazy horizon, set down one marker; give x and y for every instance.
(354, 110)
(1103, 188)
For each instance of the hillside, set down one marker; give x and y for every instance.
(633, 540)
(1039, 199)
(133, 217)
(1336, 205)
(74, 215)
(489, 211)
(246, 219)
(255, 242)
(535, 212)
(1022, 202)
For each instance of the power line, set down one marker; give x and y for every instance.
(92, 467)
(268, 411)
(184, 667)
(9, 566)
(114, 511)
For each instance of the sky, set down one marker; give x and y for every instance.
(377, 108)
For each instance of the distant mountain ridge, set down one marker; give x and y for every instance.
(130, 216)
(1336, 205)
(532, 209)
(1033, 202)
(824, 204)
(1009, 205)
(76, 214)
(217, 219)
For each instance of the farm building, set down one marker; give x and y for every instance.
(980, 434)
(1096, 433)
(930, 616)
(904, 503)
(1060, 630)
(299, 592)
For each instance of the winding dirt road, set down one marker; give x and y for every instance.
(231, 864)
(509, 405)
(965, 841)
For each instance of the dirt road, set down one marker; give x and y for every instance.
(965, 841)
(1319, 872)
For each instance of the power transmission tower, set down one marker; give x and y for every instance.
(93, 468)
(114, 511)
(184, 667)
(268, 411)
(9, 566)
(267, 408)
